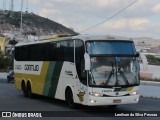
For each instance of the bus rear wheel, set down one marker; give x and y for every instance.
(24, 89)
(69, 98)
(29, 91)
(112, 106)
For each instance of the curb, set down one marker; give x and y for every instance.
(150, 83)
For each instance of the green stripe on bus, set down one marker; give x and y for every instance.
(55, 79)
(48, 78)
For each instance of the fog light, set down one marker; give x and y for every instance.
(137, 99)
(92, 101)
(134, 93)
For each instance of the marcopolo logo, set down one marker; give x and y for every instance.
(29, 67)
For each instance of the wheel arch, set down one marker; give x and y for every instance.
(71, 88)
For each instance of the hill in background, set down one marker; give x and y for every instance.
(32, 24)
(147, 44)
(147, 41)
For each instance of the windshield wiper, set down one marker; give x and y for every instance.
(123, 76)
(110, 74)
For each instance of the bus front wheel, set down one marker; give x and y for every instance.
(112, 106)
(69, 98)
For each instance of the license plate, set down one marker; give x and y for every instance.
(117, 101)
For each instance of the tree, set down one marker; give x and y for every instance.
(153, 59)
(6, 61)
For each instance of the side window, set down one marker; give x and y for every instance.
(40, 51)
(46, 51)
(25, 53)
(57, 51)
(53, 53)
(79, 50)
(17, 53)
(32, 50)
(69, 51)
(36, 52)
(62, 51)
(79, 54)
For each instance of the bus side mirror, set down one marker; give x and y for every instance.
(87, 61)
(137, 54)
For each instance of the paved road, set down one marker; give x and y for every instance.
(13, 100)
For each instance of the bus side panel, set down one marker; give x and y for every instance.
(52, 79)
(36, 79)
(47, 83)
(68, 78)
(39, 80)
(17, 80)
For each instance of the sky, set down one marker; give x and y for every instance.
(142, 19)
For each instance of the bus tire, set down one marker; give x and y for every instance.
(24, 89)
(69, 98)
(29, 90)
(112, 106)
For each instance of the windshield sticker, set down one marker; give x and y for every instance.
(123, 89)
(118, 59)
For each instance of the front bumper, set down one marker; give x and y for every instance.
(101, 101)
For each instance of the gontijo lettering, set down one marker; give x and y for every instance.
(29, 67)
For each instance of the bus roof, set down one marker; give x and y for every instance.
(100, 37)
(82, 37)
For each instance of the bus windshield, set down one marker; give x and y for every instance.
(113, 63)
(114, 71)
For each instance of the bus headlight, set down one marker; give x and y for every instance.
(134, 93)
(96, 94)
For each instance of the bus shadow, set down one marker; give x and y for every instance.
(48, 100)
(80, 110)
(78, 106)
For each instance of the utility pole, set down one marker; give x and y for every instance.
(27, 7)
(4, 4)
(11, 5)
(21, 29)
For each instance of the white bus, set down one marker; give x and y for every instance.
(82, 69)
